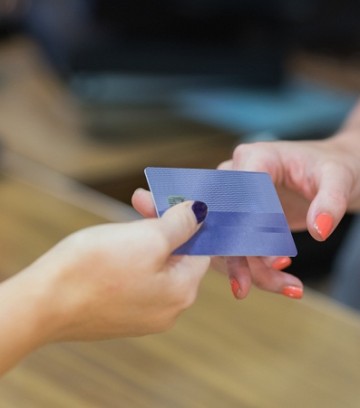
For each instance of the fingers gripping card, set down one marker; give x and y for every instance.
(245, 217)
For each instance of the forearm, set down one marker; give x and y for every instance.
(22, 319)
(353, 119)
(347, 141)
(106, 281)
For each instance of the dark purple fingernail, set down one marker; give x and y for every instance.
(200, 210)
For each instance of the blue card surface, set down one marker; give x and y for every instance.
(245, 217)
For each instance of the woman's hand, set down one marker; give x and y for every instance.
(317, 182)
(102, 282)
(263, 272)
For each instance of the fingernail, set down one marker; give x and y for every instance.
(324, 224)
(293, 292)
(235, 287)
(200, 210)
(139, 189)
(281, 263)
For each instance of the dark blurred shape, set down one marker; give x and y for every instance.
(246, 38)
(315, 260)
(12, 15)
(60, 27)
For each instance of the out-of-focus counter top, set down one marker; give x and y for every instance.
(264, 352)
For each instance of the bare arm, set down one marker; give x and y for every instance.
(108, 281)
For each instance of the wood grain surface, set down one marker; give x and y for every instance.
(264, 352)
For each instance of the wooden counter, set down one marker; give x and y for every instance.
(264, 352)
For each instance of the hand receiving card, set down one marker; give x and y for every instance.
(245, 217)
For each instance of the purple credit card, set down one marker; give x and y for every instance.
(245, 217)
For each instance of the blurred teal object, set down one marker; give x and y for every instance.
(296, 109)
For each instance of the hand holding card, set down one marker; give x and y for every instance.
(245, 216)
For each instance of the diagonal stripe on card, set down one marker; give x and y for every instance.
(245, 217)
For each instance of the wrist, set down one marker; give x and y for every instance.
(47, 315)
(347, 140)
(32, 307)
(24, 318)
(346, 145)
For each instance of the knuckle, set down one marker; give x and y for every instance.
(186, 298)
(185, 220)
(225, 165)
(189, 300)
(245, 150)
(239, 152)
(157, 243)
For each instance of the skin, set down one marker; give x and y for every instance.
(107, 281)
(312, 178)
(246, 271)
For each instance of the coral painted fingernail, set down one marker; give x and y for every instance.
(281, 263)
(293, 292)
(323, 224)
(235, 287)
(200, 210)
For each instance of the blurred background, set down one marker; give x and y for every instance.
(98, 90)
